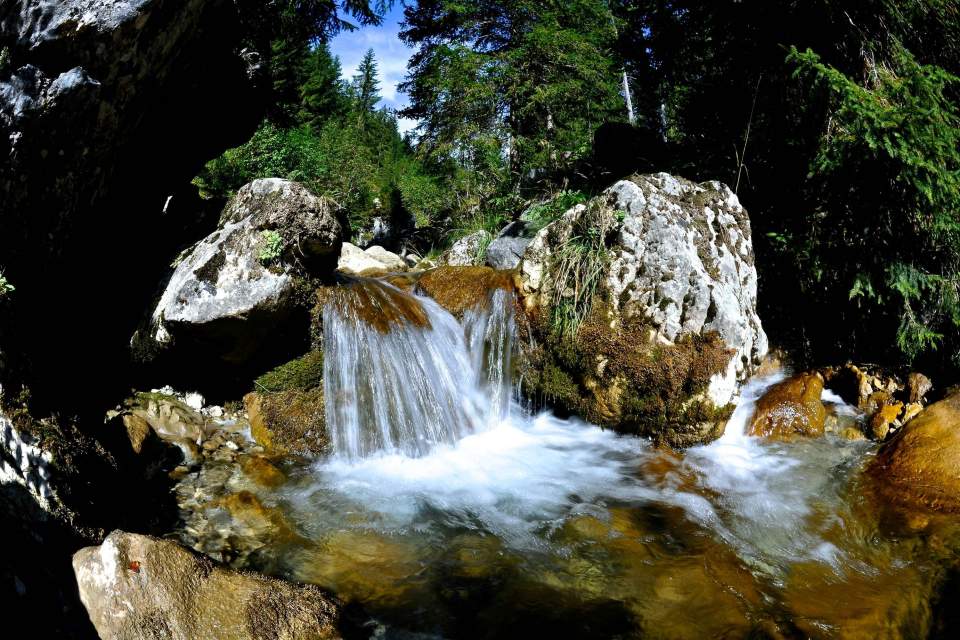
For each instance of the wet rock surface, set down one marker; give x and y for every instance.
(920, 467)
(791, 408)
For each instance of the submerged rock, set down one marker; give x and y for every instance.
(919, 468)
(643, 306)
(468, 251)
(236, 287)
(136, 587)
(791, 408)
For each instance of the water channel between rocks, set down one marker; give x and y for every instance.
(449, 510)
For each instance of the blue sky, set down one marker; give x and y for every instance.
(391, 54)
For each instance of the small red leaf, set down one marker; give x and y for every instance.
(135, 566)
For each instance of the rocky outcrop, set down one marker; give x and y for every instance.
(238, 286)
(665, 266)
(468, 251)
(135, 587)
(506, 250)
(919, 468)
(790, 408)
(106, 109)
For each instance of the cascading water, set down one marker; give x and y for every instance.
(402, 375)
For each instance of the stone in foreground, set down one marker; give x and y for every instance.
(138, 587)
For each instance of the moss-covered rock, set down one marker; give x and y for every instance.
(457, 289)
(290, 421)
(618, 374)
(306, 372)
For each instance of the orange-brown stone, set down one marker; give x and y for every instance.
(791, 408)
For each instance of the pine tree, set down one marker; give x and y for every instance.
(322, 91)
(530, 80)
(366, 87)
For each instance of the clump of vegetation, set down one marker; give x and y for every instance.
(890, 161)
(578, 266)
(543, 213)
(305, 372)
(272, 246)
(6, 288)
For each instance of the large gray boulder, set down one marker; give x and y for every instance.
(136, 587)
(506, 250)
(237, 285)
(674, 276)
(468, 251)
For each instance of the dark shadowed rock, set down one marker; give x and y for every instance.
(507, 248)
(106, 108)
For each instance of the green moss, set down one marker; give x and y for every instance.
(306, 372)
(620, 377)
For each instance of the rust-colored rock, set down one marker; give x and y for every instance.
(791, 408)
(457, 289)
(881, 421)
(920, 467)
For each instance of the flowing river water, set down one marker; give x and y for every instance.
(447, 509)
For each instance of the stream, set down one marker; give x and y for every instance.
(450, 510)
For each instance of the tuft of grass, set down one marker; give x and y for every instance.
(540, 215)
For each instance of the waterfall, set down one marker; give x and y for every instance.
(402, 375)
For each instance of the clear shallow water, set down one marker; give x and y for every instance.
(526, 526)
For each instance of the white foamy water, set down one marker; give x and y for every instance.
(439, 447)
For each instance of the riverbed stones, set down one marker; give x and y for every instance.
(138, 587)
(919, 468)
(791, 408)
(235, 289)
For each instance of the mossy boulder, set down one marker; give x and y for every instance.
(616, 373)
(302, 373)
(640, 308)
(289, 422)
(791, 408)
